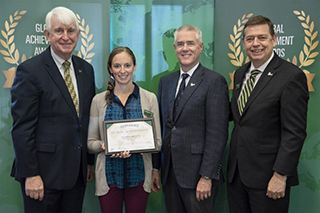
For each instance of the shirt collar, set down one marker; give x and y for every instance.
(58, 60)
(191, 71)
(263, 66)
(135, 92)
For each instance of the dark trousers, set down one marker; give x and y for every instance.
(244, 199)
(178, 199)
(56, 200)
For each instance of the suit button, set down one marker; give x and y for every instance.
(174, 128)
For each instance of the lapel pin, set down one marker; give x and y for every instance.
(270, 74)
(237, 86)
(80, 71)
(192, 84)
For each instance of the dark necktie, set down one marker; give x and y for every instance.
(180, 93)
(247, 90)
(67, 79)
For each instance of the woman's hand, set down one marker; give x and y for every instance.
(124, 154)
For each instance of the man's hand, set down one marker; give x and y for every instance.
(277, 186)
(34, 187)
(155, 181)
(90, 173)
(203, 189)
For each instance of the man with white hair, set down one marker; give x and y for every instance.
(51, 97)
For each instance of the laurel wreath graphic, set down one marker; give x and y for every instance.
(11, 54)
(86, 47)
(237, 56)
(306, 56)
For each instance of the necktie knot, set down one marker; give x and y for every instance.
(184, 76)
(255, 72)
(66, 65)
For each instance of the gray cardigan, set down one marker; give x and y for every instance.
(97, 137)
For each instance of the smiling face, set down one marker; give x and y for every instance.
(63, 38)
(258, 43)
(122, 68)
(188, 49)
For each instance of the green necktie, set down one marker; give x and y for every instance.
(67, 79)
(247, 90)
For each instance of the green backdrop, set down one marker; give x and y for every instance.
(147, 27)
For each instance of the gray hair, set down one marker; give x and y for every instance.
(64, 15)
(188, 27)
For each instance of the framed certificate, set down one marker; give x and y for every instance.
(134, 135)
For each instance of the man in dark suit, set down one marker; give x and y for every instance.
(50, 127)
(194, 131)
(269, 128)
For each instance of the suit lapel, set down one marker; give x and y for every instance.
(238, 81)
(172, 86)
(55, 74)
(79, 77)
(265, 78)
(193, 84)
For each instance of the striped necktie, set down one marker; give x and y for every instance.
(67, 79)
(247, 90)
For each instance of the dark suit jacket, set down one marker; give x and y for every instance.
(270, 133)
(197, 138)
(48, 137)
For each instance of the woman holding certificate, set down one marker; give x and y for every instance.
(123, 177)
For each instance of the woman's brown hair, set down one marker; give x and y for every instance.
(115, 52)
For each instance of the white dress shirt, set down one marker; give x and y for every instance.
(59, 61)
(261, 68)
(190, 73)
